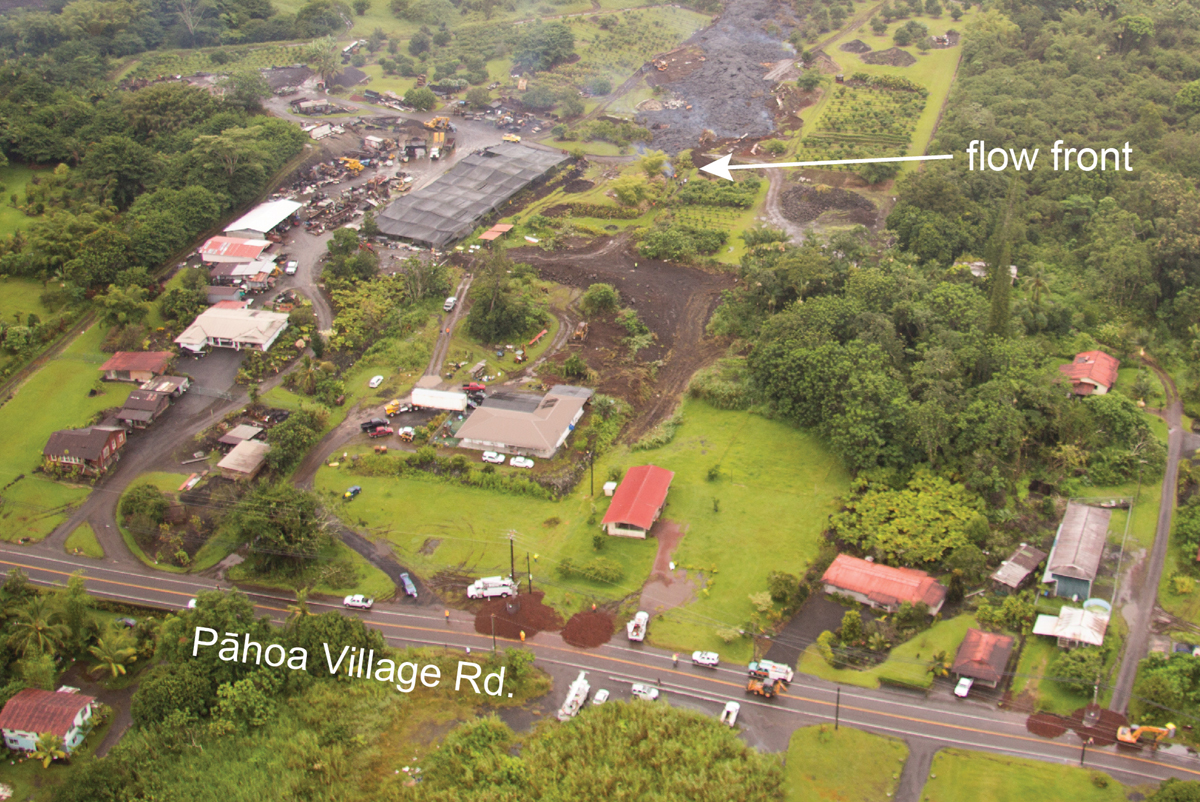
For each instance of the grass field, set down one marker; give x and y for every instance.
(842, 765)
(436, 525)
(369, 581)
(1033, 667)
(958, 775)
(83, 541)
(19, 298)
(907, 664)
(34, 505)
(13, 179)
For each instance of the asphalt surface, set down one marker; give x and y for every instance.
(766, 724)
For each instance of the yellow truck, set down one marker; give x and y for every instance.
(511, 138)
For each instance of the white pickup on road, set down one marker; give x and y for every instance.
(577, 694)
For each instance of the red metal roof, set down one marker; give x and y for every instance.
(488, 236)
(37, 711)
(882, 582)
(640, 496)
(983, 655)
(153, 361)
(1091, 368)
(234, 248)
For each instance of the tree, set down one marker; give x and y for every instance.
(599, 299)
(419, 43)
(113, 653)
(282, 524)
(122, 306)
(1078, 670)
(324, 56)
(1175, 790)
(48, 748)
(782, 586)
(122, 165)
(933, 8)
(941, 664)
(298, 610)
(879, 27)
(956, 12)
(37, 629)
(75, 607)
(361, 7)
(478, 97)
(245, 89)
(852, 627)
(652, 163)
(421, 98)
(544, 45)
(1187, 99)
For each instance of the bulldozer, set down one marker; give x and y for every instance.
(580, 333)
(1145, 734)
(438, 124)
(353, 165)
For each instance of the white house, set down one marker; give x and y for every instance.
(32, 712)
(240, 329)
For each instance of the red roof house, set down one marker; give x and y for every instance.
(983, 656)
(881, 585)
(232, 249)
(32, 712)
(1092, 373)
(136, 366)
(638, 502)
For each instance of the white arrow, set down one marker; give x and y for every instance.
(721, 166)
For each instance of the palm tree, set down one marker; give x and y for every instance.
(299, 609)
(941, 665)
(37, 629)
(112, 653)
(49, 747)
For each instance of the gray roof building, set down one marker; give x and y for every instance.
(451, 207)
(1013, 572)
(523, 423)
(1078, 549)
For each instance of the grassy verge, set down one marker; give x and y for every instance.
(34, 505)
(168, 483)
(369, 580)
(13, 179)
(906, 664)
(962, 776)
(83, 541)
(846, 765)
(1032, 671)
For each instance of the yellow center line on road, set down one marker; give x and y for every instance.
(622, 661)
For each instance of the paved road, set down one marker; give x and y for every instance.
(765, 724)
(1139, 610)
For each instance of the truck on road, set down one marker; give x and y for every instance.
(577, 695)
(636, 629)
(491, 586)
(770, 670)
(439, 399)
(763, 687)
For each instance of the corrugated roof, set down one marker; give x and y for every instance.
(1092, 367)
(451, 207)
(640, 496)
(1073, 623)
(1079, 546)
(246, 457)
(146, 399)
(265, 216)
(867, 578)
(38, 711)
(152, 361)
(983, 655)
(1013, 571)
(240, 433)
(234, 248)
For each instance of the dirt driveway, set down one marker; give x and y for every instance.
(674, 301)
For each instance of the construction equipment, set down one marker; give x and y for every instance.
(519, 357)
(421, 79)
(438, 124)
(1145, 734)
(661, 64)
(436, 144)
(511, 138)
(636, 629)
(580, 333)
(577, 694)
(406, 434)
(353, 165)
(763, 687)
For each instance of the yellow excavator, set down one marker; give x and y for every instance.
(1139, 736)
(438, 124)
(353, 165)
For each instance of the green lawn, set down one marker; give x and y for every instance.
(169, 484)
(56, 397)
(19, 298)
(958, 775)
(907, 664)
(369, 580)
(842, 765)
(13, 179)
(1034, 665)
(83, 541)
(780, 510)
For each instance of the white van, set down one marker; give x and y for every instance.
(449, 305)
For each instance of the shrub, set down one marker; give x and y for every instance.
(600, 298)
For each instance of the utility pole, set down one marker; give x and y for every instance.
(529, 570)
(837, 709)
(512, 559)
(493, 633)
(592, 472)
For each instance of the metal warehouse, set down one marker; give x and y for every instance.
(451, 207)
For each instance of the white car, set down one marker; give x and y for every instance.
(291, 268)
(521, 462)
(493, 457)
(191, 604)
(963, 687)
(449, 305)
(600, 698)
(644, 692)
(730, 713)
(359, 602)
(375, 382)
(706, 659)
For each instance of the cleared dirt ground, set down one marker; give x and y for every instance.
(675, 303)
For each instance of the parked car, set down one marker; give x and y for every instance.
(964, 687)
(730, 713)
(646, 692)
(474, 387)
(291, 268)
(373, 423)
(191, 605)
(375, 382)
(382, 431)
(449, 305)
(409, 588)
(521, 462)
(352, 492)
(127, 622)
(706, 659)
(601, 697)
(358, 602)
(493, 457)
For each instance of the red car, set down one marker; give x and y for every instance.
(474, 387)
(382, 431)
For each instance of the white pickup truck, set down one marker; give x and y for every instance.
(490, 587)
(636, 629)
(577, 695)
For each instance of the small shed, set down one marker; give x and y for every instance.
(240, 434)
(245, 461)
(610, 488)
(1015, 571)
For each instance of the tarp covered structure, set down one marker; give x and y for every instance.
(451, 207)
